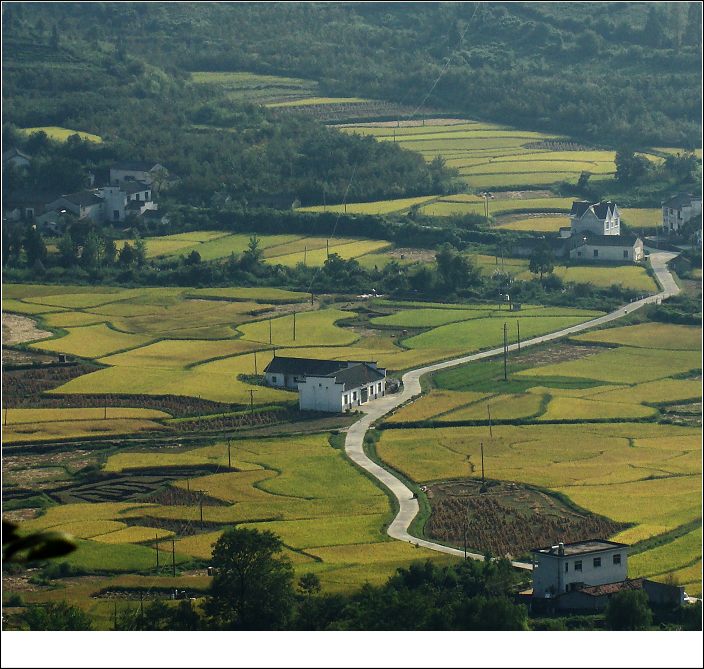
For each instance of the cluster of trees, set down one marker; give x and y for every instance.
(84, 247)
(254, 589)
(507, 62)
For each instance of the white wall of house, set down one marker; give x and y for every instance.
(590, 223)
(674, 218)
(587, 252)
(279, 380)
(115, 201)
(320, 393)
(555, 574)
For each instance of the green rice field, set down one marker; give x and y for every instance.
(62, 134)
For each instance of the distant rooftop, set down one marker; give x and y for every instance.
(581, 547)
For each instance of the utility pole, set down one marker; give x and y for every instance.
(200, 501)
(505, 354)
(256, 372)
(311, 298)
(327, 241)
(173, 556)
(481, 446)
(188, 484)
(251, 400)
(270, 329)
(465, 538)
(105, 412)
(518, 327)
(229, 456)
(294, 326)
(156, 545)
(305, 256)
(488, 410)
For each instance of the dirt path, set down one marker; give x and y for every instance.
(408, 504)
(18, 329)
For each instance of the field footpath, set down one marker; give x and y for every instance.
(408, 504)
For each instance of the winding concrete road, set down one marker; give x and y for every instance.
(408, 505)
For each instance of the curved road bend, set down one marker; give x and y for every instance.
(408, 505)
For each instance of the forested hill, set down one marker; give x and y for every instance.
(611, 72)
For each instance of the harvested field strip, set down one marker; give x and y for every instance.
(22, 307)
(534, 223)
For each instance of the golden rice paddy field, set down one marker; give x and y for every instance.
(623, 453)
(288, 250)
(494, 156)
(328, 514)
(199, 342)
(61, 134)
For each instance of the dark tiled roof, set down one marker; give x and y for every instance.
(678, 201)
(134, 166)
(600, 209)
(303, 366)
(607, 240)
(581, 547)
(579, 207)
(357, 375)
(83, 198)
(603, 209)
(612, 588)
(131, 187)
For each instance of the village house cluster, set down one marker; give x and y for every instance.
(130, 190)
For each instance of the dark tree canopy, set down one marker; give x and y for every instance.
(253, 585)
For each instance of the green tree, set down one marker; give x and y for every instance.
(34, 246)
(93, 251)
(127, 255)
(252, 256)
(309, 584)
(630, 168)
(67, 250)
(253, 585)
(455, 269)
(542, 260)
(629, 610)
(58, 617)
(140, 251)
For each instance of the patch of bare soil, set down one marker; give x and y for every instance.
(415, 255)
(11, 356)
(20, 515)
(505, 518)
(408, 123)
(522, 194)
(558, 353)
(18, 329)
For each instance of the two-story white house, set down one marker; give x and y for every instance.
(327, 385)
(598, 218)
(566, 567)
(680, 209)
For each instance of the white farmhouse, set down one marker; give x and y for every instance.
(610, 248)
(680, 209)
(327, 385)
(567, 567)
(599, 218)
